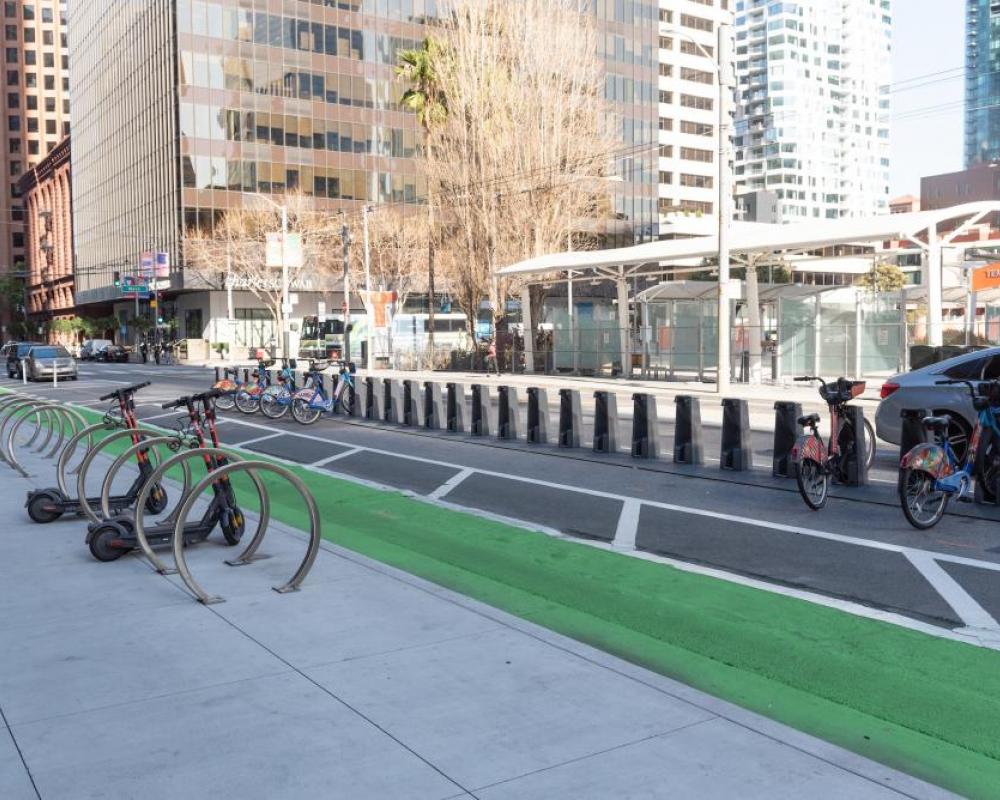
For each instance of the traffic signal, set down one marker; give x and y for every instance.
(159, 320)
(118, 279)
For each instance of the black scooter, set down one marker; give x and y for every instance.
(113, 538)
(48, 505)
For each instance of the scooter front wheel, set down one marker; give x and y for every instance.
(42, 508)
(102, 542)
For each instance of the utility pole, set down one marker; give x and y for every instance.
(368, 288)
(286, 306)
(346, 236)
(727, 84)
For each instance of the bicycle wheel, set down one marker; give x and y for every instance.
(923, 506)
(814, 483)
(303, 412)
(246, 402)
(345, 404)
(987, 467)
(274, 402)
(869, 445)
(226, 402)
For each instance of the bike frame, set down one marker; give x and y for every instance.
(940, 460)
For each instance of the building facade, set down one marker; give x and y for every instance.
(979, 182)
(813, 106)
(689, 113)
(982, 82)
(46, 190)
(209, 102)
(36, 84)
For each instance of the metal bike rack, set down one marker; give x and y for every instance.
(81, 474)
(184, 507)
(247, 555)
(11, 412)
(173, 443)
(56, 418)
(70, 448)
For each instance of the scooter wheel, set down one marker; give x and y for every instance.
(233, 523)
(42, 508)
(157, 501)
(101, 542)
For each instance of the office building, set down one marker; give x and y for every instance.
(186, 107)
(812, 122)
(982, 82)
(36, 84)
(689, 113)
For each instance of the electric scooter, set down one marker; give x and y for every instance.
(48, 505)
(113, 538)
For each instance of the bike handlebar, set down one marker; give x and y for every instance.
(127, 390)
(180, 401)
(806, 378)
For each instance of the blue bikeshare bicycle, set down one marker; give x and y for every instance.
(309, 403)
(931, 474)
(276, 399)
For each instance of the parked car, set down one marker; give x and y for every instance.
(44, 359)
(918, 389)
(92, 348)
(14, 353)
(114, 353)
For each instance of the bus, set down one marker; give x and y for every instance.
(322, 337)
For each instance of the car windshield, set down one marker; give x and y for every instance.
(22, 349)
(49, 352)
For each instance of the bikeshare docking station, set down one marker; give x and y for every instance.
(166, 463)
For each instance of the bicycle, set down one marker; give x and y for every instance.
(276, 400)
(309, 403)
(226, 400)
(817, 463)
(931, 474)
(248, 396)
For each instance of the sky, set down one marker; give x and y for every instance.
(928, 37)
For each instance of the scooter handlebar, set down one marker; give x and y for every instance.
(125, 390)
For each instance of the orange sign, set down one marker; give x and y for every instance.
(987, 277)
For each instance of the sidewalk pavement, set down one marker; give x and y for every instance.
(368, 683)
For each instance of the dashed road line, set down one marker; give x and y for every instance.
(450, 484)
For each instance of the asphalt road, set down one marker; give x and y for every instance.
(858, 553)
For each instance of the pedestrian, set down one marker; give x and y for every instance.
(144, 349)
(491, 357)
(156, 352)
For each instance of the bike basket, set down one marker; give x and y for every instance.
(225, 386)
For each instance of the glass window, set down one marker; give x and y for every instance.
(30, 57)
(48, 60)
(13, 100)
(29, 34)
(29, 11)
(13, 123)
(12, 77)
(10, 33)
(32, 124)
(49, 80)
(14, 145)
(46, 14)
(11, 55)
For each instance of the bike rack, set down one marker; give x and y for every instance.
(645, 430)
(81, 473)
(70, 448)
(246, 556)
(55, 417)
(184, 507)
(173, 443)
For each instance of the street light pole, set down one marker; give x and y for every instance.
(345, 235)
(286, 307)
(368, 287)
(727, 82)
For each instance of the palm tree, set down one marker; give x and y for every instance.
(419, 68)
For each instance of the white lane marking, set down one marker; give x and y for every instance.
(954, 594)
(628, 525)
(337, 457)
(757, 523)
(450, 484)
(176, 412)
(260, 439)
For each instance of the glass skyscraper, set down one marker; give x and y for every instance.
(982, 82)
(185, 106)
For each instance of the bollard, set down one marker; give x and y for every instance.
(645, 428)
(605, 422)
(396, 402)
(736, 453)
(246, 374)
(688, 447)
(538, 415)
(912, 431)
(508, 411)
(455, 408)
(481, 405)
(855, 470)
(217, 376)
(387, 415)
(570, 418)
(413, 407)
(359, 408)
(786, 432)
(434, 411)
(373, 398)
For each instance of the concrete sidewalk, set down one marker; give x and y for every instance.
(369, 683)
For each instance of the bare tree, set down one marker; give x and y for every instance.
(234, 251)
(519, 160)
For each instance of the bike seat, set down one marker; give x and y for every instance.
(809, 419)
(937, 423)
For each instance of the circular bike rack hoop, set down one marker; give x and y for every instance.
(70, 448)
(173, 443)
(250, 467)
(45, 414)
(184, 507)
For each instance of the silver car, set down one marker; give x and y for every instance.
(918, 390)
(44, 360)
